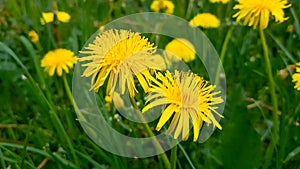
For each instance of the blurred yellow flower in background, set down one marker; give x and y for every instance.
(290, 28)
(256, 12)
(101, 28)
(58, 60)
(108, 99)
(296, 77)
(63, 16)
(34, 37)
(182, 48)
(119, 55)
(205, 20)
(187, 98)
(217, 1)
(165, 5)
(48, 17)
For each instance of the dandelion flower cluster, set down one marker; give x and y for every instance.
(217, 1)
(166, 5)
(187, 98)
(296, 77)
(255, 12)
(205, 20)
(119, 55)
(116, 56)
(58, 60)
(34, 37)
(182, 48)
(48, 17)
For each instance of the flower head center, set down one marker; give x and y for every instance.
(124, 49)
(262, 5)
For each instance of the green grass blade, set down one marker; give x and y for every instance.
(16, 159)
(28, 148)
(64, 161)
(2, 160)
(24, 154)
(292, 154)
(88, 158)
(15, 57)
(281, 46)
(186, 156)
(296, 23)
(173, 157)
(35, 59)
(57, 123)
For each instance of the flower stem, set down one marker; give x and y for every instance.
(222, 55)
(55, 25)
(70, 96)
(151, 134)
(69, 93)
(275, 133)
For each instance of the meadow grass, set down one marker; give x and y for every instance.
(38, 126)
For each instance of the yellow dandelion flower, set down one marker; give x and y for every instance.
(118, 100)
(296, 77)
(48, 17)
(217, 1)
(108, 99)
(63, 16)
(256, 12)
(58, 60)
(101, 28)
(119, 55)
(34, 37)
(205, 20)
(165, 5)
(182, 48)
(187, 98)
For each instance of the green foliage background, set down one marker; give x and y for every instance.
(28, 136)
